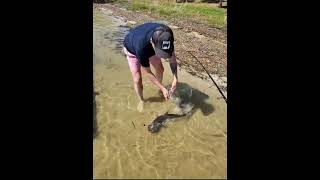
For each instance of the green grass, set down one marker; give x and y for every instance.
(199, 12)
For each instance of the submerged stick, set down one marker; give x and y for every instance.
(133, 124)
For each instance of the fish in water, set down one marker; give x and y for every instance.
(184, 109)
(156, 124)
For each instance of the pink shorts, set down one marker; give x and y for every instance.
(133, 62)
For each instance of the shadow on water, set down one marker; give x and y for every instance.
(155, 99)
(197, 98)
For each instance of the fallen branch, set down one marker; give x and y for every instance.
(133, 124)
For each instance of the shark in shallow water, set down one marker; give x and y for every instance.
(160, 121)
(184, 109)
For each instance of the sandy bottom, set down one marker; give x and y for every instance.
(190, 147)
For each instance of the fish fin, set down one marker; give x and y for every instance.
(166, 113)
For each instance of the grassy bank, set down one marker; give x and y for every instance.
(210, 15)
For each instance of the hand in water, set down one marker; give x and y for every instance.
(165, 93)
(173, 86)
(170, 93)
(172, 90)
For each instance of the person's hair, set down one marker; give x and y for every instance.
(156, 34)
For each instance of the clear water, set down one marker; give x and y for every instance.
(190, 147)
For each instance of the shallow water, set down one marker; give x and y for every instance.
(190, 147)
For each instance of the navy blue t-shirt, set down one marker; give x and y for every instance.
(137, 42)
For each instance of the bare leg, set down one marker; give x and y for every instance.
(137, 81)
(136, 76)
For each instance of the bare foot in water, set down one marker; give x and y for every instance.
(140, 106)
